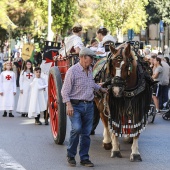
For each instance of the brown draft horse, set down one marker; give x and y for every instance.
(124, 110)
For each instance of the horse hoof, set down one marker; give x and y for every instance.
(135, 158)
(107, 146)
(116, 154)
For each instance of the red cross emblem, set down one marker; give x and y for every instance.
(8, 77)
(29, 75)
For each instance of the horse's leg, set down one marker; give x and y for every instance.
(115, 152)
(106, 134)
(135, 155)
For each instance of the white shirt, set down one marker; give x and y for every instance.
(71, 41)
(108, 37)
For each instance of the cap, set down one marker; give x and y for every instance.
(87, 51)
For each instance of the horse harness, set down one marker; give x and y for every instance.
(118, 81)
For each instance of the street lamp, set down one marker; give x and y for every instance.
(50, 34)
(9, 41)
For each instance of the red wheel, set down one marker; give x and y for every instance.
(56, 106)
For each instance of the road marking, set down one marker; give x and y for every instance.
(8, 162)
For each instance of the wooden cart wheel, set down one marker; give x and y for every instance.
(57, 109)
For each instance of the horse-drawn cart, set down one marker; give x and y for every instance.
(129, 95)
(56, 107)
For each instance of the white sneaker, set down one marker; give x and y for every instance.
(158, 112)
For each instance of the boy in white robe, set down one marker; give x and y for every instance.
(7, 89)
(38, 100)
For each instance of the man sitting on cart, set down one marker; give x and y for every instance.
(77, 93)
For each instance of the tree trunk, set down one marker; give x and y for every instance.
(119, 35)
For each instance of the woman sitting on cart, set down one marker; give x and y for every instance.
(104, 39)
(73, 43)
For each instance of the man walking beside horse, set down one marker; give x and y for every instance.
(77, 93)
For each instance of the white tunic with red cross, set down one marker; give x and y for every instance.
(25, 80)
(8, 88)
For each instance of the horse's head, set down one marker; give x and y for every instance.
(121, 65)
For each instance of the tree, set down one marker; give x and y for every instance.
(121, 15)
(153, 17)
(63, 12)
(163, 8)
(88, 15)
(153, 14)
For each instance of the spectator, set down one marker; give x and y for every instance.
(163, 97)
(157, 76)
(147, 53)
(18, 65)
(166, 51)
(1, 59)
(167, 60)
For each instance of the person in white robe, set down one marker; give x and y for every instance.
(103, 36)
(7, 89)
(97, 48)
(45, 68)
(38, 100)
(72, 42)
(26, 78)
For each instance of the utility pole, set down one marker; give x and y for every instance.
(49, 36)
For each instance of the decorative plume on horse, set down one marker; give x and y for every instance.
(125, 108)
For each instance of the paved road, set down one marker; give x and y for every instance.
(24, 145)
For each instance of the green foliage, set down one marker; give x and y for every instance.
(163, 8)
(123, 14)
(88, 15)
(153, 15)
(63, 12)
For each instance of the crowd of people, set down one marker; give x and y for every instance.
(32, 97)
(77, 90)
(161, 73)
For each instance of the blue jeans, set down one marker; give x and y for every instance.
(163, 97)
(0, 67)
(81, 123)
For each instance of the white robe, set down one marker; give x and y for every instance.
(101, 47)
(108, 37)
(71, 41)
(24, 99)
(45, 68)
(8, 87)
(38, 102)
